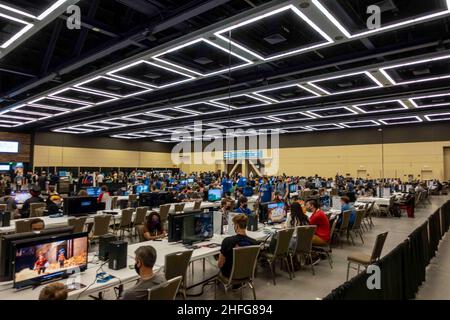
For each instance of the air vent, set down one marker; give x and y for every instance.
(421, 72)
(275, 39)
(345, 84)
(152, 76)
(203, 61)
(113, 88)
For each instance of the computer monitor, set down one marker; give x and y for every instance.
(191, 227)
(63, 173)
(293, 188)
(80, 206)
(93, 191)
(247, 191)
(48, 258)
(214, 195)
(154, 199)
(190, 181)
(183, 182)
(140, 188)
(21, 197)
(7, 249)
(276, 209)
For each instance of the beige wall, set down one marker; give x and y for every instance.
(87, 157)
(400, 159)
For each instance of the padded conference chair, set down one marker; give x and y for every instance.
(132, 200)
(242, 271)
(365, 260)
(281, 251)
(3, 207)
(179, 207)
(140, 232)
(23, 226)
(125, 221)
(326, 249)
(165, 291)
(139, 217)
(357, 225)
(197, 205)
(164, 212)
(78, 224)
(101, 226)
(303, 248)
(34, 212)
(343, 228)
(176, 264)
(114, 201)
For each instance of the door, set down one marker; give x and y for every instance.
(447, 163)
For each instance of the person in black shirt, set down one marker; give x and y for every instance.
(225, 262)
(35, 197)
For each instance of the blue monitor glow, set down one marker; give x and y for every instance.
(93, 192)
(5, 167)
(9, 146)
(190, 180)
(63, 173)
(293, 188)
(21, 197)
(140, 188)
(183, 182)
(276, 209)
(214, 195)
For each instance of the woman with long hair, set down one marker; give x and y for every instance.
(153, 228)
(296, 217)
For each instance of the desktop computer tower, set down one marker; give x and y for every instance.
(103, 246)
(118, 255)
(5, 218)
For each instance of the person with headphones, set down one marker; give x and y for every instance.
(35, 198)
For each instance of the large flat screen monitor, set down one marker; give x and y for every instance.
(80, 206)
(191, 227)
(20, 197)
(276, 209)
(140, 188)
(93, 191)
(49, 258)
(9, 146)
(214, 195)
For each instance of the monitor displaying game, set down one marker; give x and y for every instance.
(214, 195)
(293, 188)
(140, 188)
(276, 209)
(49, 258)
(93, 191)
(190, 181)
(20, 197)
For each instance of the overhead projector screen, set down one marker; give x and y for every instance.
(9, 146)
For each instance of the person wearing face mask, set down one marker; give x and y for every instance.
(243, 206)
(320, 220)
(145, 258)
(153, 228)
(240, 239)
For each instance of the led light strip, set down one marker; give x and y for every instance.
(156, 57)
(258, 93)
(430, 96)
(447, 114)
(275, 116)
(112, 74)
(82, 105)
(384, 72)
(189, 113)
(264, 102)
(246, 121)
(184, 107)
(289, 7)
(20, 33)
(112, 98)
(81, 86)
(392, 26)
(383, 121)
(347, 124)
(317, 127)
(313, 112)
(379, 84)
(357, 106)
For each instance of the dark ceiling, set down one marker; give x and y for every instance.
(144, 68)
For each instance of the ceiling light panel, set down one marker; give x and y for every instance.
(381, 106)
(296, 129)
(438, 116)
(257, 120)
(83, 96)
(150, 74)
(275, 34)
(292, 116)
(202, 108)
(241, 101)
(346, 15)
(360, 124)
(59, 104)
(32, 9)
(171, 113)
(436, 100)
(288, 93)
(113, 87)
(202, 57)
(353, 82)
(418, 71)
(332, 112)
(321, 127)
(230, 124)
(400, 120)
(11, 29)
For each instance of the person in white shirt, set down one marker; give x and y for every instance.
(100, 178)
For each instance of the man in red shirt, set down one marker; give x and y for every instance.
(319, 219)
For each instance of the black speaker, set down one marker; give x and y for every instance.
(103, 246)
(118, 255)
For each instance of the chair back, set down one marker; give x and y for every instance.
(334, 192)
(101, 225)
(2, 207)
(345, 220)
(418, 198)
(176, 264)
(164, 211)
(132, 198)
(306, 195)
(165, 291)
(139, 218)
(360, 213)
(23, 226)
(197, 205)
(127, 216)
(283, 241)
(140, 231)
(34, 207)
(391, 201)
(179, 207)
(378, 247)
(77, 224)
(305, 236)
(244, 263)
(114, 201)
(333, 227)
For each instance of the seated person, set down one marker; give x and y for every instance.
(296, 217)
(320, 220)
(153, 228)
(225, 208)
(240, 239)
(345, 206)
(54, 207)
(243, 206)
(144, 261)
(11, 205)
(37, 225)
(278, 197)
(104, 195)
(54, 291)
(82, 193)
(35, 192)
